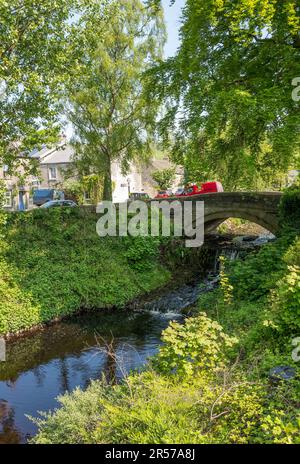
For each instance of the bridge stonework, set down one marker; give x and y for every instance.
(259, 207)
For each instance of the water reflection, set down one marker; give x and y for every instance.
(70, 354)
(8, 431)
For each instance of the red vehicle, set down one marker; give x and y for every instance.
(163, 194)
(207, 187)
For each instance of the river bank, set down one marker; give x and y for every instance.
(210, 380)
(81, 348)
(69, 355)
(53, 265)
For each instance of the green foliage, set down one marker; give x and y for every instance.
(76, 189)
(225, 285)
(164, 178)
(228, 92)
(33, 63)
(84, 60)
(209, 382)
(71, 424)
(198, 345)
(265, 287)
(289, 208)
(286, 296)
(114, 44)
(263, 310)
(254, 277)
(217, 405)
(142, 252)
(53, 264)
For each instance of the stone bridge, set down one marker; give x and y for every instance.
(261, 208)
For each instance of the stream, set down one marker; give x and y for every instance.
(57, 359)
(61, 357)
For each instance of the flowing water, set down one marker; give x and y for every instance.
(70, 354)
(59, 358)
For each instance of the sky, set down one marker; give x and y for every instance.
(172, 18)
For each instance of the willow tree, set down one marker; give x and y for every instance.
(227, 94)
(113, 121)
(33, 55)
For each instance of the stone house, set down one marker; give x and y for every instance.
(139, 179)
(53, 164)
(16, 196)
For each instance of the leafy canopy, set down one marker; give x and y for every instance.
(164, 178)
(105, 95)
(33, 63)
(229, 111)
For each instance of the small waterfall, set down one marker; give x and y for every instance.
(175, 301)
(230, 254)
(237, 247)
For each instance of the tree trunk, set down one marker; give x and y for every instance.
(107, 188)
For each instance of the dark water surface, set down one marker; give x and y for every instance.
(59, 358)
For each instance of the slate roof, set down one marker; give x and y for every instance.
(62, 153)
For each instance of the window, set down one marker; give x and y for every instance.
(8, 199)
(35, 182)
(52, 173)
(5, 170)
(87, 197)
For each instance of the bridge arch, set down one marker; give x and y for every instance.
(261, 208)
(213, 221)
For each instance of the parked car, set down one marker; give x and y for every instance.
(179, 191)
(207, 187)
(164, 194)
(138, 196)
(42, 196)
(59, 203)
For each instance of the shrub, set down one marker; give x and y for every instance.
(290, 208)
(75, 420)
(199, 344)
(286, 295)
(142, 252)
(254, 277)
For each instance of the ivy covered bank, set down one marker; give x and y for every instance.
(210, 382)
(53, 264)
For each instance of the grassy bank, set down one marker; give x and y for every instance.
(210, 381)
(52, 264)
